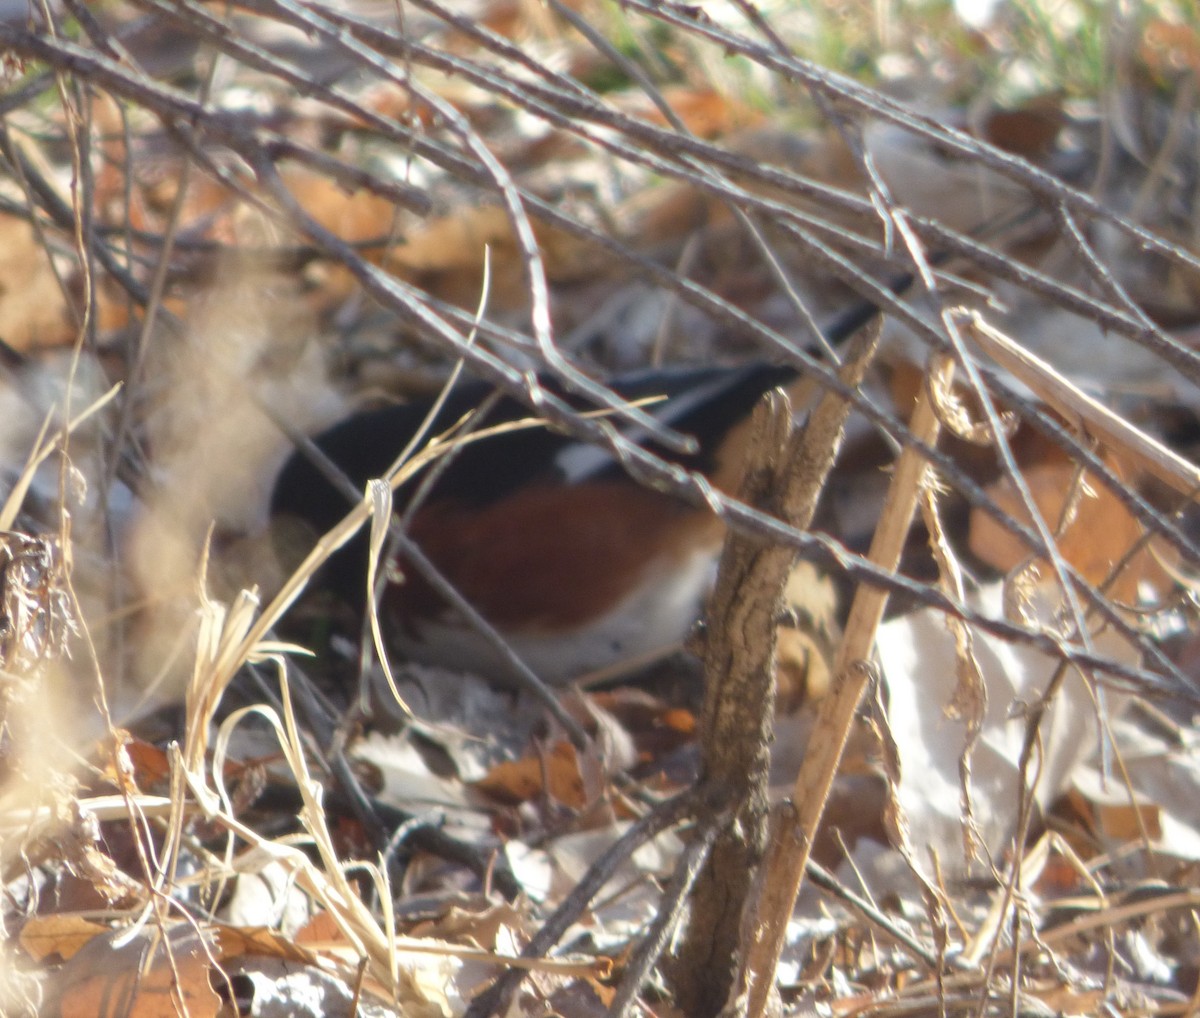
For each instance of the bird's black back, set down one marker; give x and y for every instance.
(703, 403)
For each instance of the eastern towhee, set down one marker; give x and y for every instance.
(575, 564)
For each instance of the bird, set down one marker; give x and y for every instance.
(573, 562)
(578, 567)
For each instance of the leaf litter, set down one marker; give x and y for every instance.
(257, 851)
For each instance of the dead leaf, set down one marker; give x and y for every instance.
(1111, 814)
(1164, 775)
(149, 977)
(357, 217)
(555, 773)
(490, 927)
(262, 942)
(150, 764)
(705, 112)
(919, 664)
(33, 310)
(321, 930)
(1098, 534)
(1169, 48)
(57, 936)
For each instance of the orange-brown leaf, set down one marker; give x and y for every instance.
(556, 773)
(57, 936)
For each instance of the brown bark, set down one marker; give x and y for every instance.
(784, 477)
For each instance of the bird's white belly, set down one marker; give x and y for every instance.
(654, 618)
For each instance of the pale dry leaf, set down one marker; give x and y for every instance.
(281, 988)
(575, 853)
(1164, 776)
(266, 897)
(57, 936)
(532, 868)
(920, 664)
(405, 775)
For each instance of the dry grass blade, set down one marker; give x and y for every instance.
(1084, 411)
